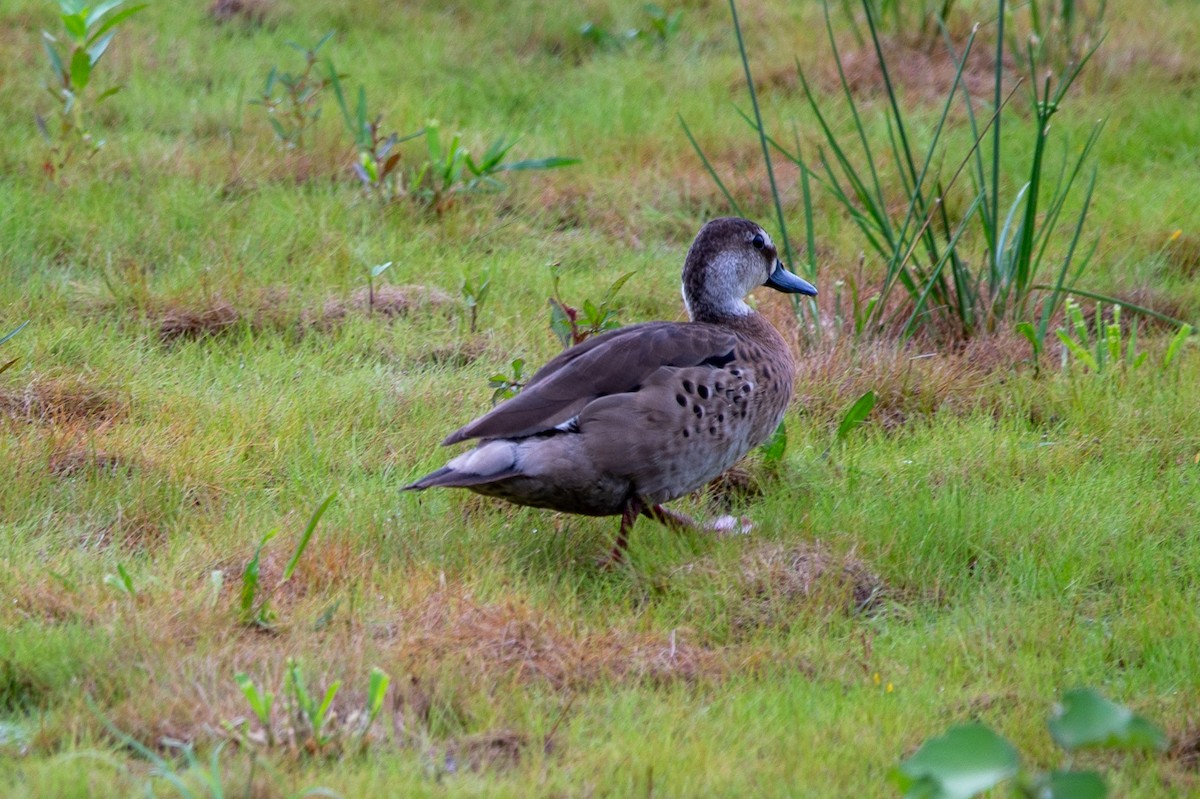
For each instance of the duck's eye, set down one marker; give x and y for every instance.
(758, 241)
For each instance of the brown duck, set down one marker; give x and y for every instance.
(636, 417)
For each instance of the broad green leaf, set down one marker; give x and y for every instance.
(538, 163)
(1078, 351)
(856, 414)
(55, 62)
(1172, 348)
(102, 8)
(306, 536)
(1027, 330)
(1086, 719)
(328, 700)
(76, 26)
(109, 92)
(616, 286)
(114, 20)
(1071, 785)
(377, 691)
(775, 446)
(964, 762)
(250, 577)
(81, 70)
(96, 50)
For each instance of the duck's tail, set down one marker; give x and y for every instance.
(494, 460)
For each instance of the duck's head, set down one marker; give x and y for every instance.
(730, 258)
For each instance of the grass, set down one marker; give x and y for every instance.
(1016, 535)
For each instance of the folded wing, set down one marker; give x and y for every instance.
(613, 363)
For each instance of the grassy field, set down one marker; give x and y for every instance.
(201, 367)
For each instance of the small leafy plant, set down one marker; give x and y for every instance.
(970, 759)
(121, 581)
(308, 720)
(89, 32)
(255, 610)
(508, 385)
(450, 170)
(660, 28)
(573, 325)
(376, 160)
(293, 101)
(1110, 350)
(310, 711)
(261, 701)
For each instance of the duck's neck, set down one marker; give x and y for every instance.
(703, 309)
(711, 292)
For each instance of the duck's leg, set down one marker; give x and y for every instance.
(633, 507)
(672, 520)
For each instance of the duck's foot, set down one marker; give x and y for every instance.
(679, 522)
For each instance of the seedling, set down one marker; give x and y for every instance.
(261, 701)
(88, 36)
(313, 713)
(253, 611)
(373, 273)
(121, 581)
(377, 686)
(293, 101)
(474, 293)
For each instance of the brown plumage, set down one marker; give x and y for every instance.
(639, 416)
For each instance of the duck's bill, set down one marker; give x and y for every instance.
(783, 280)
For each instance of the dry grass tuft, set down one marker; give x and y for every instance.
(254, 13)
(920, 72)
(908, 382)
(80, 461)
(776, 581)
(390, 302)
(1183, 255)
(732, 488)
(57, 402)
(456, 354)
(178, 324)
(1163, 301)
(511, 640)
(1186, 749)
(488, 751)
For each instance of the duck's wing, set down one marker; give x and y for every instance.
(613, 363)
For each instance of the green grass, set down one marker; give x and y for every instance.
(1031, 533)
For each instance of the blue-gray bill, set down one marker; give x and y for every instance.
(783, 280)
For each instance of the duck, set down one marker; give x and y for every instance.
(635, 417)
